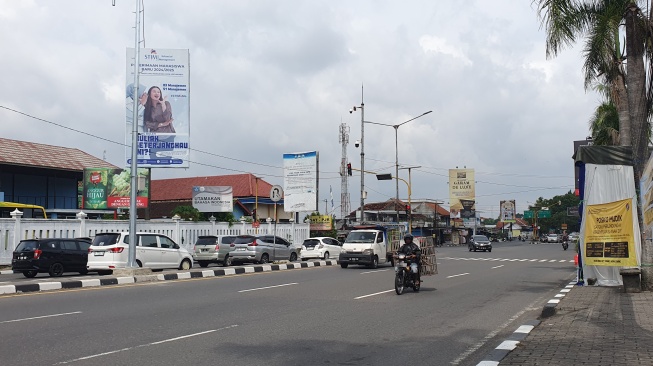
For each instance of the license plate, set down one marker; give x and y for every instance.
(98, 254)
(353, 259)
(240, 249)
(204, 250)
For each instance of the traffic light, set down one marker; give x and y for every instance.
(254, 215)
(349, 168)
(407, 208)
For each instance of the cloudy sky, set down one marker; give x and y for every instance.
(275, 77)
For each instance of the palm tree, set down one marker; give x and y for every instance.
(604, 125)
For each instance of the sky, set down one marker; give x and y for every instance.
(275, 77)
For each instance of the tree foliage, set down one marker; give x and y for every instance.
(557, 205)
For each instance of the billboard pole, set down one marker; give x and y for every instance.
(131, 259)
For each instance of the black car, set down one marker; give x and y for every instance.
(480, 242)
(52, 255)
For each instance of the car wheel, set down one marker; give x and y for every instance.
(227, 261)
(139, 263)
(326, 255)
(185, 265)
(56, 270)
(490, 250)
(30, 274)
(293, 257)
(203, 264)
(264, 258)
(375, 263)
(344, 265)
(470, 248)
(104, 273)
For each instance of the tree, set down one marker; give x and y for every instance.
(600, 21)
(604, 125)
(187, 213)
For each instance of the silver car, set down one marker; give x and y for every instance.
(214, 249)
(262, 249)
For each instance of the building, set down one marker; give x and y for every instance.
(45, 175)
(249, 193)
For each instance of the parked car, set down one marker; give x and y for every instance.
(262, 249)
(214, 249)
(552, 238)
(574, 236)
(53, 256)
(320, 247)
(479, 242)
(110, 251)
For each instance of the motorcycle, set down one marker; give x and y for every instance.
(565, 244)
(403, 276)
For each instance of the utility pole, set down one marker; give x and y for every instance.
(344, 190)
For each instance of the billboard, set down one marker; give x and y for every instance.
(609, 239)
(163, 104)
(111, 188)
(322, 223)
(507, 211)
(213, 199)
(300, 181)
(462, 195)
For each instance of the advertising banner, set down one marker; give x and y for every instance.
(462, 188)
(507, 211)
(609, 239)
(163, 103)
(322, 222)
(213, 199)
(300, 181)
(111, 188)
(646, 192)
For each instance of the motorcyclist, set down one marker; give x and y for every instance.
(412, 251)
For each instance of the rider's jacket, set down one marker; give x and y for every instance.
(411, 248)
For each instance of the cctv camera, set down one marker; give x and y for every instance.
(351, 111)
(357, 143)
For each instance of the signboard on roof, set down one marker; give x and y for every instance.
(213, 199)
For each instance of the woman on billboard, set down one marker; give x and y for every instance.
(158, 112)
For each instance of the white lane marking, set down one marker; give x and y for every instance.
(268, 287)
(40, 317)
(462, 274)
(497, 267)
(378, 293)
(143, 345)
(380, 270)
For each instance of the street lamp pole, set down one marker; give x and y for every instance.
(362, 108)
(410, 213)
(396, 127)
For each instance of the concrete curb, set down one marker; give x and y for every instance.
(94, 282)
(502, 350)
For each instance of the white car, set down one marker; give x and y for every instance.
(552, 238)
(321, 248)
(110, 251)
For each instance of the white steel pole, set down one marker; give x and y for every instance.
(131, 259)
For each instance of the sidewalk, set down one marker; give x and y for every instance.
(592, 326)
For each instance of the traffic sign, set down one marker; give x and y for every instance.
(276, 193)
(528, 214)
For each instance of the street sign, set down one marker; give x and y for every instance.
(276, 193)
(573, 211)
(544, 214)
(528, 214)
(563, 226)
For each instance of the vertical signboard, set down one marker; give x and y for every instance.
(111, 188)
(300, 181)
(609, 239)
(462, 195)
(507, 211)
(163, 102)
(213, 199)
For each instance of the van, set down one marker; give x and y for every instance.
(53, 256)
(213, 249)
(110, 251)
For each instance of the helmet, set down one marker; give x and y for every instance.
(408, 236)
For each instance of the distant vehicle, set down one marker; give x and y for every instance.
(262, 249)
(320, 247)
(552, 238)
(574, 236)
(479, 242)
(214, 249)
(53, 256)
(367, 245)
(110, 251)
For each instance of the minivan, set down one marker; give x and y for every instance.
(110, 251)
(214, 249)
(53, 256)
(262, 249)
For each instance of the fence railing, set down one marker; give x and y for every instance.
(185, 233)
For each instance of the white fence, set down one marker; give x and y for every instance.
(185, 233)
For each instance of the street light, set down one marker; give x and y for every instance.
(362, 108)
(396, 127)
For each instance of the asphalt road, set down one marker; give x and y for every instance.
(319, 315)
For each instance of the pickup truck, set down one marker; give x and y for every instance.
(368, 246)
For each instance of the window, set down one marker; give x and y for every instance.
(69, 245)
(148, 241)
(167, 243)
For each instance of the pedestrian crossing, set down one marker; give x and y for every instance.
(510, 260)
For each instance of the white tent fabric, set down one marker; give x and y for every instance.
(605, 184)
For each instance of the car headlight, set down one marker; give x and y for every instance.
(368, 252)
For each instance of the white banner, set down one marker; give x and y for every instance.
(213, 199)
(163, 103)
(300, 181)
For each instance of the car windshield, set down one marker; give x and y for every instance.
(360, 237)
(101, 240)
(480, 238)
(27, 246)
(245, 239)
(309, 243)
(206, 240)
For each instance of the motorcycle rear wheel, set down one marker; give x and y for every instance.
(399, 282)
